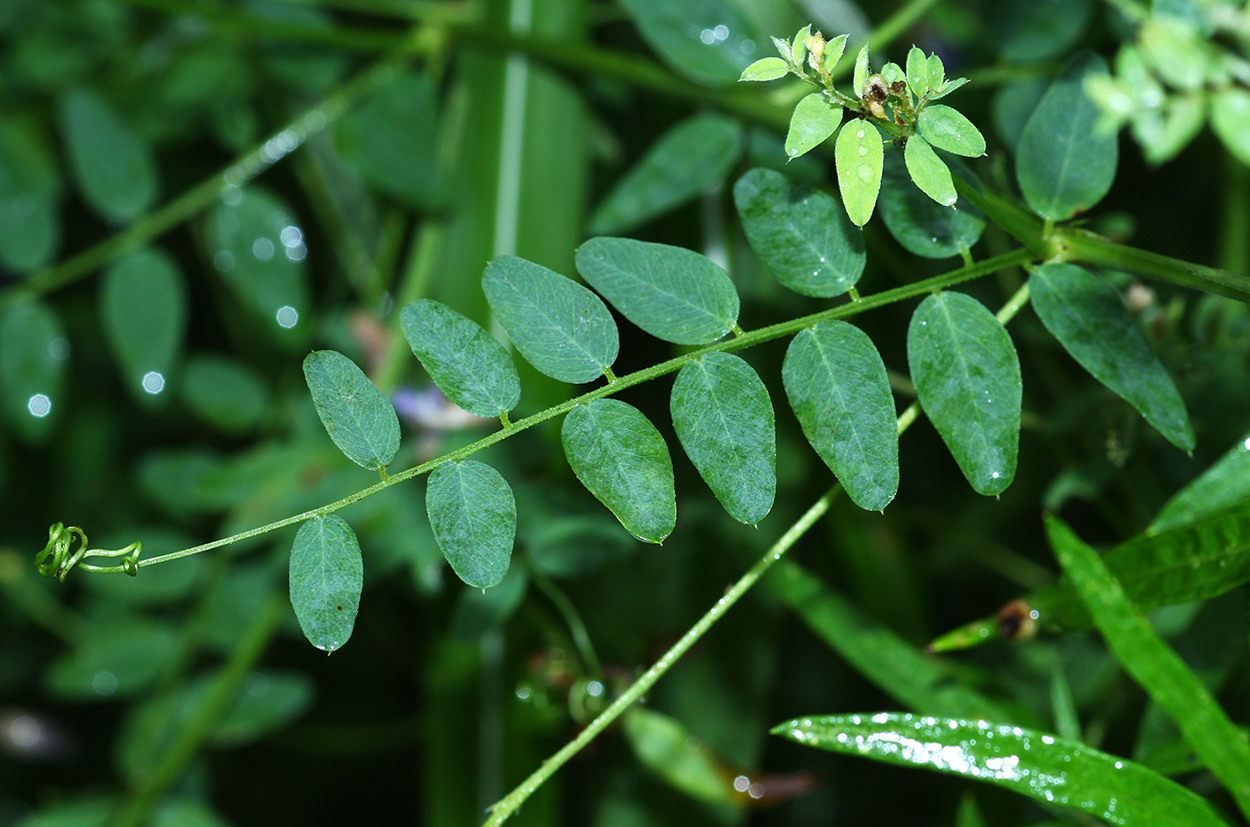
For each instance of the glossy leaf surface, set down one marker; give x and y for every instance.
(950, 130)
(1064, 164)
(114, 167)
(326, 577)
(928, 172)
(1222, 486)
(226, 393)
(33, 360)
(917, 72)
(470, 366)
(967, 377)
(920, 224)
(621, 458)
(707, 41)
(1086, 315)
(473, 516)
(860, 155)
(837, 386)
(560, 327)
(724, 420)
(144, 306)
(1153, 664)
(1041, 766)
(814, 119)
(357, 416)
(692, 156)
(673, 293)
(800, 233)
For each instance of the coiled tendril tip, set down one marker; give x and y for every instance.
(56, 559)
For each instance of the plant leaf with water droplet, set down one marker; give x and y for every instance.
(935, 73)
(143, 305)
(473, 516)
(707, 41)
(560, 327)
(357, 416)
(800, 233)
(470, 366)
(1044, 767)
(967, 378)
(114, 167)
(1064, 163)
(1222, 486)
(948, 129)
(860, 157)
(33, 359)
(766, 68)
(814, 119)
(621, 458)
(920, 224)
(1153, 664)
(928, 172)
(724, 420)
(1086, 315)
(326, 578)
(673, 293)
(837, 386)
(917, 72)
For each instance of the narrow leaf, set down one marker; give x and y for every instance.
(688, 159)
(326, 578)
(144, 306)
(967, 377)
(833, 51)
(1044, 767)
(621, 458)
(1064, 163)
(766, 68)
(860, 156)
(920, 224)
(357, 416)
(813, 121)
(801, 234)
(469, 365)
(114, 167)
(948, 129)
(1086, 315)
(560, 327)
(33, 359)
(1155, 665)
(1222, 486)
(928, 172)
(837, 386)
(724, 420)
(935, 73)
(860, 76)
(673, 293)
(473, 516)
(917, 72)
(670, 751)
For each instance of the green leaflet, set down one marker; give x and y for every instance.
(814, 119)
(30, 192)
(1064, 164)
(33, 358)
(1049, 769)
(800, 233)
(473, 516)
(143, 305)
(470, 366)
(935, 73)
(901, 670)
(1222, 486)
(621, 458)
(692, 156)
(357, 416)
(1153, 664)
(115, 170)
(225, 393)
(724, 420)
(1086, 315)
(673, 293)
(707, 41)
(948, 129)
(837, 386)
(326, 577)
(257, 247)
(920, 224)
(560, 327)
(669, 750)
(917, 72)
(391, 139)
(928, 172)
(1230, 119)
(115, 661)
(859, 155)
(860, 75)
(967, 378)
(767, 68)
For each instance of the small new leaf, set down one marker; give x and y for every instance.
(798, 48)
(813, 121)
(861, 70)
(768, 68)
(934, 72)
(947, 87)
(917, 74)
(860, 158)
(833, 52)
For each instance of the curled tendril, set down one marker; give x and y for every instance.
(56, 559)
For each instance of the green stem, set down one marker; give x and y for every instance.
(1235, 216)
(585, 648)
(617, 384)
(508, 805)
(224, 688)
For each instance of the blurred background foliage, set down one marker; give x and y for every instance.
(194, 193)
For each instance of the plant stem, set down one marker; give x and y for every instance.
(585, 648)
(617, 384)
(508, 805)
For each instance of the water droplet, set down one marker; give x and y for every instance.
(24, 731)
(863, 150)
(223, 260)
(741, 783)
(231, 195)
(58, 349)
(287, 316)
(859, 133)
(153, 382)
(594, 689)
(104, 683)
(262, 248)
(39, 405)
